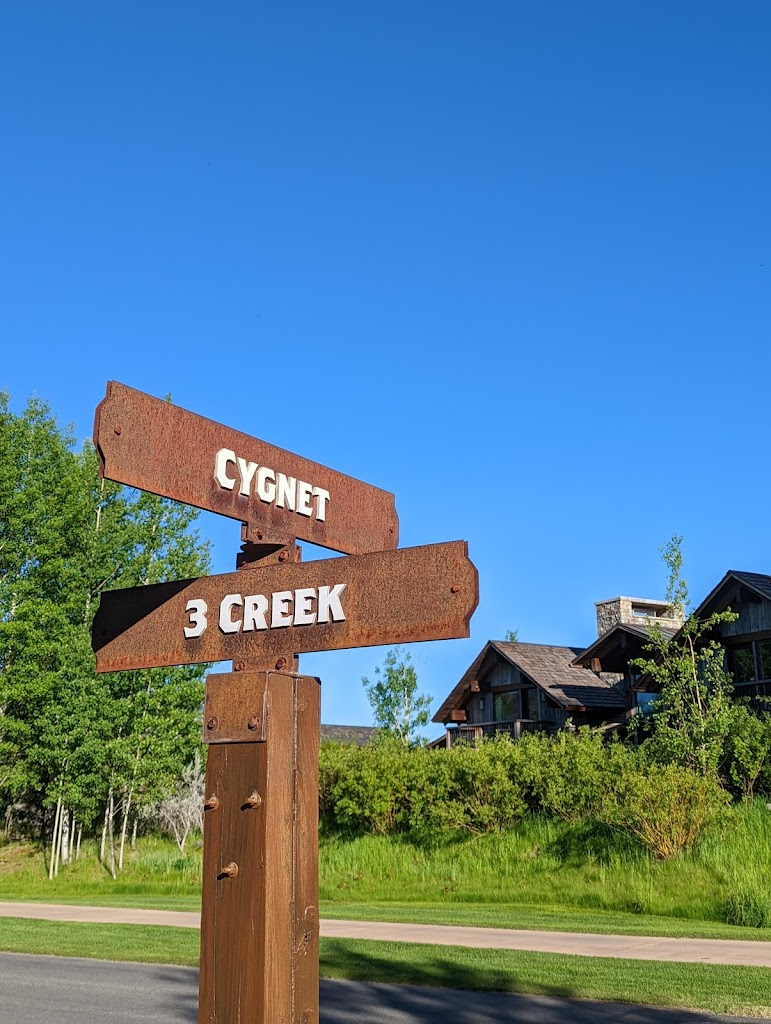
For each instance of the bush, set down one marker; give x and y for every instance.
(362, 789)
(664, 807)
(384, 788)
(480, 789)
(573, 773)
(749, 750)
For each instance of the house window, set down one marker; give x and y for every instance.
(507, 706)
(741, 663)
(764, 658)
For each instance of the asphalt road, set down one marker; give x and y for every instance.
(64, 990)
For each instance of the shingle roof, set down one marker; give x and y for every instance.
(719, 596)
(358, 734)
(550, 668)
(610, 640)
(756, 580)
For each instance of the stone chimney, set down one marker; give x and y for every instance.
(635, 611)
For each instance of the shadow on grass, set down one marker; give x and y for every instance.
(443, 992)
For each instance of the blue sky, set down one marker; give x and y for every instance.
(510, 261)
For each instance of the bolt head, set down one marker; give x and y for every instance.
(281, 663)
(455, 589)
(239, 666)
(253, 723)
(212, 723)
(116, 428)
(283, 555)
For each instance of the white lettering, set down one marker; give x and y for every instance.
(197, 610)
(329, 603)
(246, 471)
(303, 614)
(287, 492)
(271, 487)
(255, 608)
(322, 497)
(266, 485)
(280, 614)
(221, 460)
(304, 492)
(230, 601)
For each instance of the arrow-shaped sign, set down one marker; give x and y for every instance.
(386, 597)
(150, 444)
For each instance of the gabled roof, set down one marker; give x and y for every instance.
(549, 668)
(622, 637)
(730, 587)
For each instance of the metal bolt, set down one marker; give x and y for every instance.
(281, 663)
(117, 429)
(239, 666)
(213, 723)
(211, 803)
(260, 534)
(454, 589)
(253, 723)
(283, 555)
(254, 799)
(230, 870)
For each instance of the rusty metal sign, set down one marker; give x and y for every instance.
(385, 597)
(155, 446)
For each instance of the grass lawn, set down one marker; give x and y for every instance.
(542, 875)
(721, 989)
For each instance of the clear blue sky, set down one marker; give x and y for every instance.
(509, 260)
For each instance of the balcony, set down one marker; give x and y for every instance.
(488, 730)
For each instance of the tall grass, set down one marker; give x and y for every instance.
(543, 863)
(547, 862)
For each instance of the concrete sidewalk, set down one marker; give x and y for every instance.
(634, 947)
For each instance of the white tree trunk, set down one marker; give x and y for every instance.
(77, 848)
(104, 828)
(134, 832)
(54, 839)
(111, 835)
(66, 832)
(124, 826)
(58, 857)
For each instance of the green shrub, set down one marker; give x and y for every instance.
(573, 773)
(748, 751)
(481, 788)
(665, 807)
(362, 789)
(385, 788)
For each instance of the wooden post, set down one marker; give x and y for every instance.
(259, 917)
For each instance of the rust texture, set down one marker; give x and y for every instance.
(390, 597)
(238, 703)
(259, 924)
(150, 444)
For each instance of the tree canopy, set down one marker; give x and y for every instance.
(69, 737)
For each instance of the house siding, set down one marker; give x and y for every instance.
(754, 617)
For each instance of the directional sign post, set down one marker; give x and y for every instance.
(259, 919)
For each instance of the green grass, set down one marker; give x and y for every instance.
(540, 919)
(154, 876)
(570, 869)
(721, 989)
(545, 874)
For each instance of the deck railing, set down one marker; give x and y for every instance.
(488, 730)
(753, 691)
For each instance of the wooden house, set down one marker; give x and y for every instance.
(515, 687)
(512, 688)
